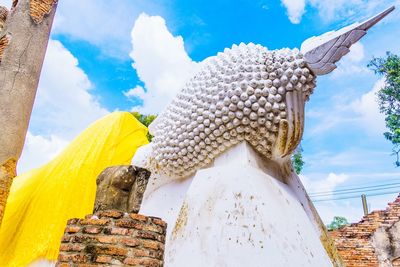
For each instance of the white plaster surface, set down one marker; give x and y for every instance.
(166, 202)
(234, 214)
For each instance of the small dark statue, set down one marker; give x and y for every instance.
(121, 188)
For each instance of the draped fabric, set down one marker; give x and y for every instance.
(42, 200)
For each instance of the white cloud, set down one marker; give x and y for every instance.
(331, 10)
(352, 63)
(348, 208)
(352, 158)
(137, 92)
(328, 117)
(295, 9)
(368, 110)
(39, 150)
(363, 112)
(63, 107)
(326, 184)
(104, 23)
(160, 60)
(356, 52)
(6, 3)
(353, 10)
(328, 209)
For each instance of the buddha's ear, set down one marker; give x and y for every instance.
(322, 52)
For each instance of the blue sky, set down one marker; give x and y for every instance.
(134, 55)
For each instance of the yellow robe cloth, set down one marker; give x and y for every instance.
(42, 200)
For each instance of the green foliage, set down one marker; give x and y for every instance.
(337, 222)
(297, 160)
(389, 97)
(145, 120)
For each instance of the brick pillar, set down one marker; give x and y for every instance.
(7, 173)
(113, 238)
(354, 242)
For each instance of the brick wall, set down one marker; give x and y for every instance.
(113, 238)
(354, 241)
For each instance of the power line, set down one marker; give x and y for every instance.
(362, 185)
(357, 187)
(356, 190)
(357, 196)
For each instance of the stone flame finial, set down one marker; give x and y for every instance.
(322, 52)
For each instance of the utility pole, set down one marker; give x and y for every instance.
(364, 203)
(23, 45)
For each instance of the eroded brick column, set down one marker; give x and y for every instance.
(355, 242)
(113, 238)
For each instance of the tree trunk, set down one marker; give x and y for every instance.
(25, 36)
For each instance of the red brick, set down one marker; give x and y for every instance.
(160, 223)
(95, 221)
(140, 253)
(82, 238)
(134, 239)
(146, 253)
(110, 214)
(153, 228)
(103, 259)
(71, 247)
(116, 231)
(72, 221)
(66, 238)
(60, 264)
(143, 262)
(126, 223)
(77, 258)
(150, 244)
(130, 241)
(111, 250)
(138, 217)
(92, 230)
(146, 235)
(72, 229)
(107, 239)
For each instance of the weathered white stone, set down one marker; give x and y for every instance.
(236, 213)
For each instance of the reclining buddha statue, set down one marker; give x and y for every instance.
(220, 158)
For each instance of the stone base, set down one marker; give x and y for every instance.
(113, 238)
(235, 214)
(199, 208)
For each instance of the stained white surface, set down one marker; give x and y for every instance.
(166, 202)
(234, 214)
